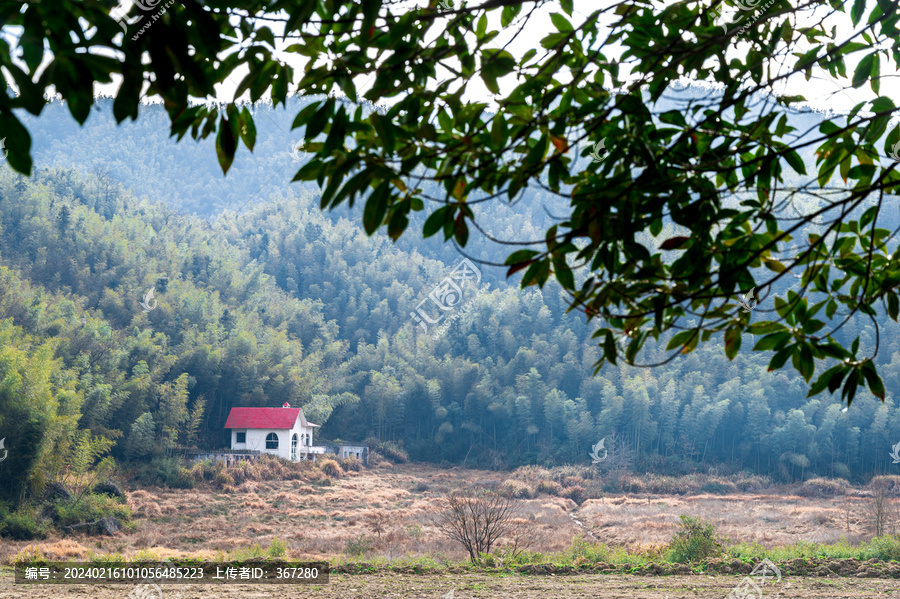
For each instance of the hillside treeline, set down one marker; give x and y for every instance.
(283, 303)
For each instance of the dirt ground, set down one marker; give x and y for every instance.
(470, 586)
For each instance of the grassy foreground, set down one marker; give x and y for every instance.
(877, 558)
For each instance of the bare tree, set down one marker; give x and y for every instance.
(620, 457)
(378, 522)
(478, 520)
(881, 510)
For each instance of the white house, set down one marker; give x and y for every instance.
(283, 432)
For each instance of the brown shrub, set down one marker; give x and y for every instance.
(351, 463)
(63, 549)
(223, 478)
(823, 487)
(551, 487)
(664, 485)
(890, 482)
(330, 468)
(576, 494)
(249, 487)
(752, 482)
(631, 484)
(144, 504)
(572, 475)
(718, 486)
(264, 468)
(571, 481)
(420, 487)
(517, 489)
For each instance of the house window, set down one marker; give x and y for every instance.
(240, 437)
(294, 447)
(271, 441)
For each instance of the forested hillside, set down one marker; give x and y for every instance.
(285, 303)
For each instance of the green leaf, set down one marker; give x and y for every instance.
(772, 341)
(680, 339)
(385, 130)
(864, 70)
(247, 128)
(673, 243)
(803, 361)
(554, 39)
(309, 171)
(481, 28)
(495, 64)
(17, 143)
(376, 208)
(397, 225)
(435, 221)
(876, 386)
(850, 386)
(856, 13)
(796, 162)
(774, 265)
(609, 348)
(321, 118)
(509, 13)
(780, 357)
(835, 383)
(823, 381)
(562, 24)
(521, 256)
(305, 115)
(537, 273)
(732, 342)
(226, 144)
(564, 275)
(461, 229)
(875, 74)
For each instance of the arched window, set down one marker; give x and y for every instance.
(294, 447)
(271, 441)
(308, 439)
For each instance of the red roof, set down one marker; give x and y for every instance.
(277, 418)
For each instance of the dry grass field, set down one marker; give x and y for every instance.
(383, 513)
(386, 509)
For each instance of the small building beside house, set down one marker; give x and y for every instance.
(283, 432)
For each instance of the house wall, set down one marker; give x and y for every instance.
(357, 451)
(256, 439)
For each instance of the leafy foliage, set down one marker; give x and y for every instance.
(359, 545)
(715, 168)
(696, 541)
(88, 508)
(23, 525)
